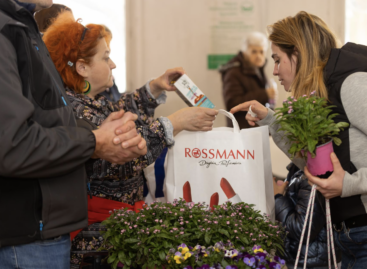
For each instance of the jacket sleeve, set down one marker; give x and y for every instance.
(235, 93)
(142, 103)
(28, 150)
(353, 96)
(292, 213)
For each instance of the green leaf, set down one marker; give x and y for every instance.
(112, 257)
(224, 263)
(208, 237)
(131, 240)
(225, 232)
(337, 141)
(244, 240)
(121, 256)
(162, 235)
(128, 262)
(162, 255)
(115, 263)
(342, 125)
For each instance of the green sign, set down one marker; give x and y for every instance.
(215, 60)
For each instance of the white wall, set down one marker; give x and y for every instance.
(167, 33)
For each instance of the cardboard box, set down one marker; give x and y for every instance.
(191, 94)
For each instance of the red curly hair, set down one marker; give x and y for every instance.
(64, 42)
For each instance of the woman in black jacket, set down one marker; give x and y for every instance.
(290, 209)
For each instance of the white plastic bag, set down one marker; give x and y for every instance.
(204, 158)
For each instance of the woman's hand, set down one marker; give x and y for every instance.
(279, 186)
(163, 83)
(333, 185)
(257, 108)
(193, 119)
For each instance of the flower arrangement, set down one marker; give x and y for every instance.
(307, 123)
(144, 239)
(222, 256)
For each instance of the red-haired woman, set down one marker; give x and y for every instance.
(81, 55)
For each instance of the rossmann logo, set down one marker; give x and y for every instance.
(219, 154)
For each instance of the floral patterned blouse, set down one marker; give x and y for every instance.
(122, 183)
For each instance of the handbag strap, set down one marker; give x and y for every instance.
(236, 127)
(330, 239)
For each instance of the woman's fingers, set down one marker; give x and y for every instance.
(241, 107)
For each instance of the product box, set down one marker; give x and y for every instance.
(191, 94)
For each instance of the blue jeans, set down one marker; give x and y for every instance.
(43, 254)
(353, 243)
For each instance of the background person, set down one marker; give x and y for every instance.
(307, 59)
(244, 79)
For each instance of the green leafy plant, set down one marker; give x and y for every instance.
(144, 239)
(307, 123)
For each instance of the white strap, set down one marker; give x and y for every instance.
(236, 127)
(330, 239)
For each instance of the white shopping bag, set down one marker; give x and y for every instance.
(204, 158)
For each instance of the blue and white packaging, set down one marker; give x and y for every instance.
(191, 94)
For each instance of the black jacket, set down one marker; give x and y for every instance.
(290, 209)
(42, 151)
(241, 83)
(342, 63)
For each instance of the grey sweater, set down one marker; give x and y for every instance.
(355, 105)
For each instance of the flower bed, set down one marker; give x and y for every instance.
(222, 256)
(144, 239)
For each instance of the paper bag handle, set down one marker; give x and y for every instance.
(236, 127)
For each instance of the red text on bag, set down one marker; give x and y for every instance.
(219, 154)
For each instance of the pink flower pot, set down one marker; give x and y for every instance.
(321, 164)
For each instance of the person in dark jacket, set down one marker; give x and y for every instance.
(244, 79)
(290, 209)
(43, 193)
(340, 76)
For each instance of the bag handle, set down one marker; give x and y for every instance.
(236, 127)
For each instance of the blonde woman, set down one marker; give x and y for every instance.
(306, 59)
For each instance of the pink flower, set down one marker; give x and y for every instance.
(228, 222)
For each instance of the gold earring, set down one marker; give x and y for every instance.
(86, 88)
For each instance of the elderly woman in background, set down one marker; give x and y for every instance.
(244, 78)
(81, 55)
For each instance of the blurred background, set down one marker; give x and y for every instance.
(150, 36)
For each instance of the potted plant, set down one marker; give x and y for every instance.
(144, 239)
(310, 129)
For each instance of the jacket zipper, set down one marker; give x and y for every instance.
(57, 86)
(90, 192)
(41, 229)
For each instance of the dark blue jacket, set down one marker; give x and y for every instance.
(290, 209)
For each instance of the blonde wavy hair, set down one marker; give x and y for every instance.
(310, 39)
